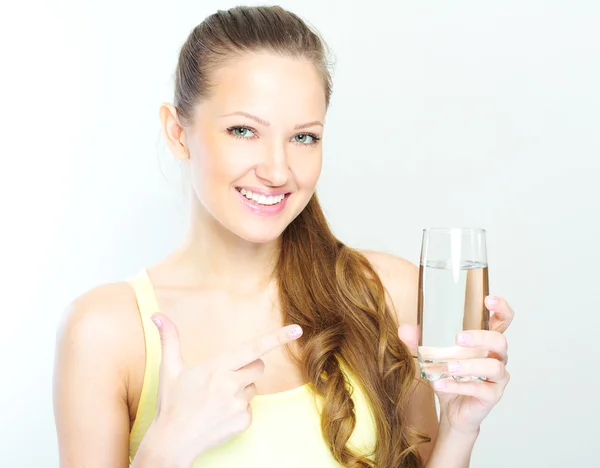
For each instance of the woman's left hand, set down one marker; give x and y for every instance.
(465, 404)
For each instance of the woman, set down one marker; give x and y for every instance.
(264, 341)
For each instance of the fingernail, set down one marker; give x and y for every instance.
(439, 384)
(157, 322)
(453, 366)
(295, 331)
(492, 300)
(464, 337)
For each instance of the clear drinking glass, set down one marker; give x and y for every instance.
(453, 284)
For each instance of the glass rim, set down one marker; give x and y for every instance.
(456, 228)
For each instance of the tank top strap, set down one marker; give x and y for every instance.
(147, 305)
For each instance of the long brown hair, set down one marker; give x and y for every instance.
(329, 289)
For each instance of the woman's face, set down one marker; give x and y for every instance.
(255, 144)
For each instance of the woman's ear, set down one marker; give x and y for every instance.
(172, 131)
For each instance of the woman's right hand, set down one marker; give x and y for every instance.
(204, 406)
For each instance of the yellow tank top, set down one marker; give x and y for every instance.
(285, 429)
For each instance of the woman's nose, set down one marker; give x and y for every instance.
(273, 170)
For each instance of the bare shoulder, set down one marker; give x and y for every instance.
(105, 316)
(100, 336)
(400, 278)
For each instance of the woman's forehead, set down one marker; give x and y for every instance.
(269, 84)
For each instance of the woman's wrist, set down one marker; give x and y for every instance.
(452, 448)
(447, 430)
(159, 449)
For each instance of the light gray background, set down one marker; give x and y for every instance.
(464, 113)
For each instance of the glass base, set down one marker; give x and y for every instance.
(433, 362)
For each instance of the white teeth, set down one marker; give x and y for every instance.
(262, 199)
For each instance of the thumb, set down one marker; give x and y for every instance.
(171, 362)
(409, 334)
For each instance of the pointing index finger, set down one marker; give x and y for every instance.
(256, 348)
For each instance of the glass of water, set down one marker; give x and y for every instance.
(453, 284)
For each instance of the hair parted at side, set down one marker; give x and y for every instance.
(327, 288)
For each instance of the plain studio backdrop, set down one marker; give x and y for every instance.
(463, 113)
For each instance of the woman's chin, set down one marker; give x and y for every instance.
(260, 236)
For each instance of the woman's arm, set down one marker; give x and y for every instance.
(452, 449)
(94, 347)
(463, 405)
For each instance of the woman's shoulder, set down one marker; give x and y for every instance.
(103, 323)
(400, 277)
(390, 265)
(109, 309)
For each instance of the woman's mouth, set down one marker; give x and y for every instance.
(258, 199)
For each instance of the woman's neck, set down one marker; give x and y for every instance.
(213, 256)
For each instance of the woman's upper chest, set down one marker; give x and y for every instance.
(216, 321)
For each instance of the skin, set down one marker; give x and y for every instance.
(219, 276)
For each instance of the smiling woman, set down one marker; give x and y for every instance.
(243, 138)
(262, 340)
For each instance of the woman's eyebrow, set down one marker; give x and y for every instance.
(266, 123)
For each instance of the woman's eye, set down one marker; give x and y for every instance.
(242, 132)
(304, 138)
